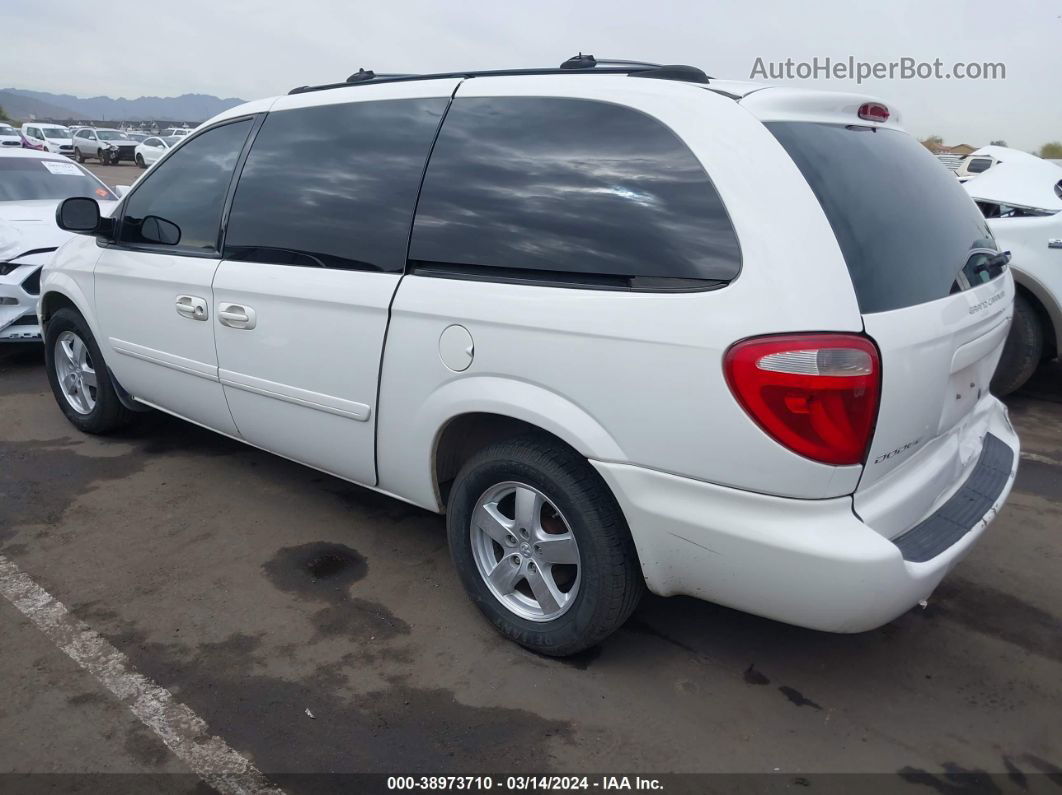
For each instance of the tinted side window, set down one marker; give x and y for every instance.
(571, 186)
(187, 190)
(333, 186)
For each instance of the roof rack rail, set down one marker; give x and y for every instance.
(581, 61)
(583, 64)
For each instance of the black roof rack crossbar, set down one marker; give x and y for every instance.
(584, 64)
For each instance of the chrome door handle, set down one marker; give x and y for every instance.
(192, 307)
(237, 316)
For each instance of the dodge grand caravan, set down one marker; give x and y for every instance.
(625, 325)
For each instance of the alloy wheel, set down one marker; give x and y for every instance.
(525, 551)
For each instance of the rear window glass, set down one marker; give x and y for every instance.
(571, 186)
(905, 225)
(978, 165)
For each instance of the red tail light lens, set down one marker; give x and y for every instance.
(816, 394)
(873, 111)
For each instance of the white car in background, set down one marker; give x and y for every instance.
(151, 149)
(176, 132)
(987, 157)
(9, 136)
(1021, 198)
(31, 185)
(55, 138)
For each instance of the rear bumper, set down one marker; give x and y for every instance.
(813, 563)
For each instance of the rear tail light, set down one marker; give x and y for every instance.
(816, 394)
(873, 111)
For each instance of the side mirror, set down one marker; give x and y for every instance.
(121, 190)
(78, 214)
(158, 230)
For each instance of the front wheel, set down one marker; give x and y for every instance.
(79, 377)
(140, 161)
(541, 546)
(80, 158)
(102, 157)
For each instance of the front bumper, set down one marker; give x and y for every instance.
(812, 563)
(18, 305)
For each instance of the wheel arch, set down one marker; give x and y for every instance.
(463, 416)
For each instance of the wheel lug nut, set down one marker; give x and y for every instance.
(530, 566)
(515, 560)
(538, 549)
(510, 538)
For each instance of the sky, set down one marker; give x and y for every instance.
(247, 49)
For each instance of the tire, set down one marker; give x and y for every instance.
(80, 158)
(102, 157)
(140, 161)
(106, 412)
(606, 581)
(1023, 350)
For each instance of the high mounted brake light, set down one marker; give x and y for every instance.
(873, 111)
(816, 394)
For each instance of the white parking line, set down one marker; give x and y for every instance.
(183, 732)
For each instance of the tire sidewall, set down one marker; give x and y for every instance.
(568, 629)
(1022, 351)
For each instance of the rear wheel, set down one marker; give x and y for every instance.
(1022, 351)
(541, 546)
(79, 377)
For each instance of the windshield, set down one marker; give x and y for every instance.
(30, 179)
(7, 129)
(56, 132)
(904, 224)
(111, 135)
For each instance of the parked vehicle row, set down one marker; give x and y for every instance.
(106, 145)
(418, 283)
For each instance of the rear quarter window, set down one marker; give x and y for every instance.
(905, 225)
(571, 187)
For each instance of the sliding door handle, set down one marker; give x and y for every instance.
(236, 316)
(192, 307)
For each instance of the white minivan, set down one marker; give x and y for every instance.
(625, 325)
(53, 138)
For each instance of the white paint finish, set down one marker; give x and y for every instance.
(184, 733)
(633, 377)
(456, 348)
(937, 361)
(661, 399)
(784, 103)
(163, 359)
(299, 397)
(166, 353)
(807, 562)
(1022, 180)
(301, 380)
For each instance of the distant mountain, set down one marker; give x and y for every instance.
(20, 104)
(23, 108)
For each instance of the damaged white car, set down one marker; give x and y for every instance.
(32, 183)
(1022, 199)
